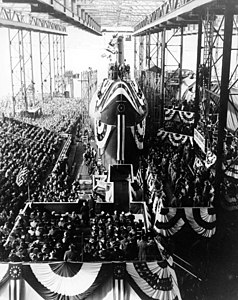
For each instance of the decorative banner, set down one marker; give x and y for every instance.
(119, 270)
(200, 140)
(15, 273)
(187, 117)
(153, 280)
(71, 281)
(169, 114)
(102, 132)
(168, 221)
(78, 281)
(202, 220)
(176, 139)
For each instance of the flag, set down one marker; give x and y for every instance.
(22, 176)
(139, 178)
(147, 217)
(119, 270)
(15, 272)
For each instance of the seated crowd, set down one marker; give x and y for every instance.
(22, 145)
(119, 236)
(49, 236)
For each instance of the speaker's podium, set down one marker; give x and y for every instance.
(121, 175)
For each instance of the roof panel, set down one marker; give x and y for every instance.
(114, 13)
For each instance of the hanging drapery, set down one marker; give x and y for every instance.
(176, 139)
(15, 278)
(168, 221)
(202, 220)
(153, 280)
(102, 132)
(78, 281)
(69, 283)
(186, 116)
(169, 114)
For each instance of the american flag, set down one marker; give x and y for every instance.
(139, 178)
(22, 176)
(119, 270)
(15, 272)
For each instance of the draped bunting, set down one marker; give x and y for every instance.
(175, 138)
(15, 276)
(102, 132)
(153, 280)
(51, 285)
(168, 221)
(74, 281)
(185, 116)
(202, 220)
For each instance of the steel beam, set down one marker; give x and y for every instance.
(45, 47)
(169, 10)
(224, 98)
(17, 20)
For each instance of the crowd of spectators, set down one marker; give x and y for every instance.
(23, 145)
(177, 183)
(119, 236)
(58, 114)
(41, 235)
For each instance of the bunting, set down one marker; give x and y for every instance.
(185, 116)
(102, 132)
(153, 280)
(15, 273)
(78, 281)
(176, 139)
(118, 281)
(170, 220)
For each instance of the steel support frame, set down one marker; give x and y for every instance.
(45, 46)
(59, 65)
(153, 48)
(88, 80)
(173, 60)
(22, 75)
(227, 81)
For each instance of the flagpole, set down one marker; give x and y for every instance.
(28, 191)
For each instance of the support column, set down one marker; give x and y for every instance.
(224, 98)
(162, 77)
(181, 63)
(17, 69)
(197, 92)
(45, 66)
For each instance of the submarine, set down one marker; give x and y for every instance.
(119, 110)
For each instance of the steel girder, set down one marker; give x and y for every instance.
(23, 86)
(17, 20)
(59, 65)
(45, 50)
